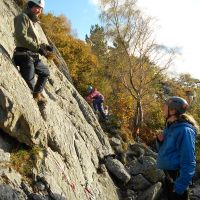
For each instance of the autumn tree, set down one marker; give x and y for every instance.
(142, 60)
(77, 54)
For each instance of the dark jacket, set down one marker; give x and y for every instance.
(26, 34)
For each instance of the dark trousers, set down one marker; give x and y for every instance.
(98, 105)
(169, 186)
(30, 66)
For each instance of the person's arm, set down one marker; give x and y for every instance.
(159, 140)
(186, 147)
(21, 24)
(89, 98)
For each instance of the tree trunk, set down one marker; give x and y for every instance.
(138, 119)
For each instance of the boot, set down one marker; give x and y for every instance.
(39, 98)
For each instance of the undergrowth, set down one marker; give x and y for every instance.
(23, 159)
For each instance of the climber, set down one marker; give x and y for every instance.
(176, 148)
(97, 99)
(29, 47)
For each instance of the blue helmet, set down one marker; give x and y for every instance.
(89, 88)
(177, 103)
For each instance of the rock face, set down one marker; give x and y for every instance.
(66, 129)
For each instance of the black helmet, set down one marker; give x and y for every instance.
(177, 103)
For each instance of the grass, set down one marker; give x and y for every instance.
(23, 159)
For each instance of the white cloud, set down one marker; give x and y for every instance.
(94, 2)
(179, 26)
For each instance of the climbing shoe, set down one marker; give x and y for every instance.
(39, 98)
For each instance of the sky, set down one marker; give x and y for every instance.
(177, 25)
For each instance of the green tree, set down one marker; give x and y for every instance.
(98, 43)
(96, 40)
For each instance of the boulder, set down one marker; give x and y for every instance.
(117, 169)
(138, 183)
(152, 193)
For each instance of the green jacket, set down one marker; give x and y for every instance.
(26, 34)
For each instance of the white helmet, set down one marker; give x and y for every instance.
(40, 3)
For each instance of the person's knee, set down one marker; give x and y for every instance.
(45, 72)
(41, 69)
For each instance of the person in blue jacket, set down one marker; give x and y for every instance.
(176, 148)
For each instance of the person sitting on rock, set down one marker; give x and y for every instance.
(97, 99)
(29, 46)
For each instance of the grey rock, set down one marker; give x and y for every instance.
(4, 157)
(7, 193)
(138, 149)
(130, 156)
(131, 195)
(58, 197)
(139, 183)
(195, 191)
(39, 186)
(152, 193)
(122, 158)
(153, 175)
(118, 169)
(115, 141)
(11, 175)
(134, 167)
(197, 174)
(148, 162)
(38, 197)
(131, 198)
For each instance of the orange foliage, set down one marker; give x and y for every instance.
(123, 108)
(76, 53)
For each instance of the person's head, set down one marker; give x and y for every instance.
(89, 88)
(174, 107)
(36, 6)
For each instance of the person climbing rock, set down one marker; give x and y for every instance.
(97, 99)
(29, 47)
(176, 148)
